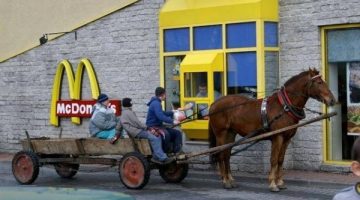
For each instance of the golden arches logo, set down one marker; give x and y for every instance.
(74, 86)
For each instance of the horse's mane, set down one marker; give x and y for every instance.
(301, 75)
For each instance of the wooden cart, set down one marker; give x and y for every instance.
(132, 156)
(134, 166)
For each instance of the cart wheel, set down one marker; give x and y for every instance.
(66, 170)
(134, 170)
(25, 167)
(173, 172)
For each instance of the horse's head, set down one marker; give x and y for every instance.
(318, 89)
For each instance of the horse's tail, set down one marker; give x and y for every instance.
(212, 143)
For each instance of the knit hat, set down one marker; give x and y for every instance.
(159, 91)
(126, 102)
(102, 98)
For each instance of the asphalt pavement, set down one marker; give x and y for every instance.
(199, 184)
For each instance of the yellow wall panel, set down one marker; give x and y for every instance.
(183, 12)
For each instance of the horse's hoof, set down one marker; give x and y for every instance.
(234, 185)
(227, 186)
(282, 187)
(274, 189)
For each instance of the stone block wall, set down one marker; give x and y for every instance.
(300, 48)
(123, 48)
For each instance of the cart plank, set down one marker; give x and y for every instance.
(86, 146)
(122, 146)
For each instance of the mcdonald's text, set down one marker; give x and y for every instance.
(81, 108)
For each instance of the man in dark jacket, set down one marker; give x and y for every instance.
(156, 117)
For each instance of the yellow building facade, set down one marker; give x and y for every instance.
(223, 47)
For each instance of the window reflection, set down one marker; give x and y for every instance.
(241, 73)
(172, 81)
(207, 37)
(218, 85)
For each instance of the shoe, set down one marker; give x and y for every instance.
(114, 139)
(164, 162)
(156, 161)
(168, 161)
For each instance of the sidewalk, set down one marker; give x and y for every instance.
(309, 176)
(294, 175)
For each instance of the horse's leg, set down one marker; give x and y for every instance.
(230, 138)
(276, 144)
(224, 172)
(279, 177)
(221, 140)
(229, 177)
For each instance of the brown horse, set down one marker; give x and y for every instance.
(236, 114)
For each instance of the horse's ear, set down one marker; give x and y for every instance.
(316, 71)
(313, 72)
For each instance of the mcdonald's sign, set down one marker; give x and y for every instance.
(75, 108)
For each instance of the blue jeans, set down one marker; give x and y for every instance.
(107, 134)
(173, 140)
(155, 142)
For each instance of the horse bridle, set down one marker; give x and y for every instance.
(311, 84)
(295, 112)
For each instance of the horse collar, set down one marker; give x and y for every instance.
(294, 112)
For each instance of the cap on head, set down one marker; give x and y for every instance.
(159, 91)
(126, 102)
(102, 98)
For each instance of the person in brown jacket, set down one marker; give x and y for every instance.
(136, 129)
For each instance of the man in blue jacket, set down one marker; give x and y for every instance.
(156, 117)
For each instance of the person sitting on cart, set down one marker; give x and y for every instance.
(155, 119)
(136, 129)
(103, 123)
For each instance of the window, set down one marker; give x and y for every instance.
(271, 34)
(207, 37)
(342, 48)
(176, 39)
(241, 35)
(242, 73)
(194, 82)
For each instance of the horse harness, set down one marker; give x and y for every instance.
(294, 112)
